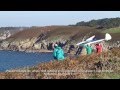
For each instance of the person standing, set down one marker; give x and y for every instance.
(79, 50)
(88, 49)
(98, 48)
(82, 49)
(60, 54)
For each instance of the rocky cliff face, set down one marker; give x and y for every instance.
(43, 38)
(4, 35)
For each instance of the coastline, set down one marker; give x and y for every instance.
(28, 50)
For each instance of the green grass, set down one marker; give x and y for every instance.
(112, 30)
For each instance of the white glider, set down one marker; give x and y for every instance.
(90, 40)
(107, 37)
(87, 40)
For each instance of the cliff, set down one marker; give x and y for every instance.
(43, 38)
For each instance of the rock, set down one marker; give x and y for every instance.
(118, 42)
(16, 43)
(5, 35)
(13, 47)
(37, 46)
(5, 44)
(28, 43)
(44, 45)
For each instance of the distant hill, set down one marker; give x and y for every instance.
(32, 32)
(55, 33)
(101, 23)
(12, 30)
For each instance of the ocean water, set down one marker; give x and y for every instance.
(14, 59)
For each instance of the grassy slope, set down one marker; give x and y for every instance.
(74, 33)
(112, 30)
(115, 33)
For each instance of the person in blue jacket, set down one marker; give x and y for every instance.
(58, 53)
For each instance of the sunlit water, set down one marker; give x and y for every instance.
(13, 59)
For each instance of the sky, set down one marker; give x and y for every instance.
(46, 18)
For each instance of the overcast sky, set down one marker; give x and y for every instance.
(45, 18)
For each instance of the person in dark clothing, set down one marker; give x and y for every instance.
(71, 48)
(79, 50)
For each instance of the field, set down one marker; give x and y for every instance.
(112, 30)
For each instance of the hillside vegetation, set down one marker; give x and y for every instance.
(112, 30)
(101, 23)
(115, 33)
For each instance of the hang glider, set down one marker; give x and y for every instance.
(87, 40)
(107, 37)
(91, 41)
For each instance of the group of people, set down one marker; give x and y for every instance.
(88, 49)
(58, 52)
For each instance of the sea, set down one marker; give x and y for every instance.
(14, 59)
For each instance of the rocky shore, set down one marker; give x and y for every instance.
(44, 46)
(29, 46)
(43, 39)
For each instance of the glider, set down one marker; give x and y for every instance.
(87, 40)
(91, 41)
